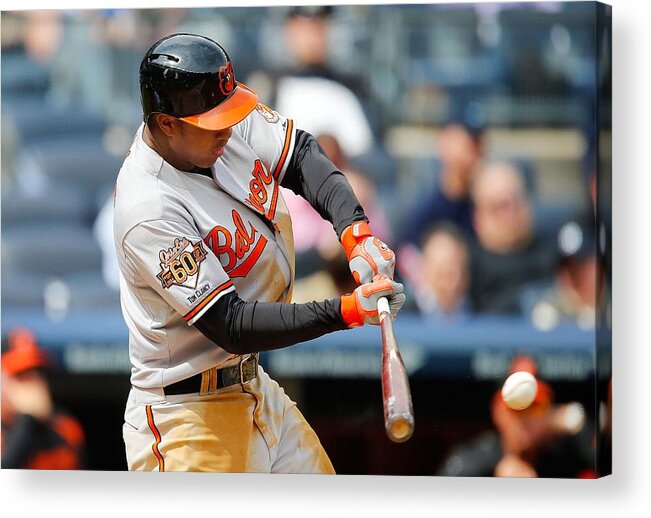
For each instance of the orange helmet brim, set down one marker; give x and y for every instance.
(229, 113)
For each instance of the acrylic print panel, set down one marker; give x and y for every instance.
(476, 138)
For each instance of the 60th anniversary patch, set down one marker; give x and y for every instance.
(180, 263)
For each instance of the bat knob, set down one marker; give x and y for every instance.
(400, 429)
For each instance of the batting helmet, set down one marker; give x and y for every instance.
(191, 77)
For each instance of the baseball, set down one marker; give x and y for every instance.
(519, 390)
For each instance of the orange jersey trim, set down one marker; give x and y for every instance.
(154, 447)
(211, 295)
(283, 155)
(274, 202)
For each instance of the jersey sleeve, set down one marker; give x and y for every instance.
(172, 259)
(272, 137)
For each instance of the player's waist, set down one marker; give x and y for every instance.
(205, 383)
(213, 379)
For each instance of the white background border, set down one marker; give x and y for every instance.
(247, 496)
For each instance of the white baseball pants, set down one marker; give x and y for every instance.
(250, 428)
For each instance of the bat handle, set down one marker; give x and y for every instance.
(398, 410)
(383, 307)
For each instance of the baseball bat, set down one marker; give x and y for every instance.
(396, 395)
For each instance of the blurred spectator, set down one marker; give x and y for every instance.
(43, 32)
(310, 91)
(507, 255)
(460, 153)
(572, 294)
(35, 434)
(442, 292)
(29, 39)
(543, 440)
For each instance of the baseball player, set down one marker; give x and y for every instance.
(204, 244)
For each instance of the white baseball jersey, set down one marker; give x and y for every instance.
(183, 240)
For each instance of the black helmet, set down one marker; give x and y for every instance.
(191, 78)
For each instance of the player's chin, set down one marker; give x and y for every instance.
(209, 160)
(206, 162)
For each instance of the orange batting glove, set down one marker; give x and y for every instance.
(360, 307)
(367, 255)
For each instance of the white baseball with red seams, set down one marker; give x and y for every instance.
(519, 390)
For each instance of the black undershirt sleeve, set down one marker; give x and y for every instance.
(241, 327)
(312, 175)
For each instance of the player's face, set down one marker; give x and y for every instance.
(200, 147)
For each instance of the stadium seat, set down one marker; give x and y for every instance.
(22, 78)
(75, 292)
(38, 121)
(22, 290)
(52, 249)
(88, 291)
(59, 205)
(70, 160)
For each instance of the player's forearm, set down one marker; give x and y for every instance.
(313, 176)
(241, 327)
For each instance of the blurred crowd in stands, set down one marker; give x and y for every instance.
(467, 132)
(475, 231)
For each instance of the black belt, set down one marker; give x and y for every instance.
(213, 379)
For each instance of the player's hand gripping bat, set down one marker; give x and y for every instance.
(398, 410)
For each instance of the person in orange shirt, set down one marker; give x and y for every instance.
(35, 434)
